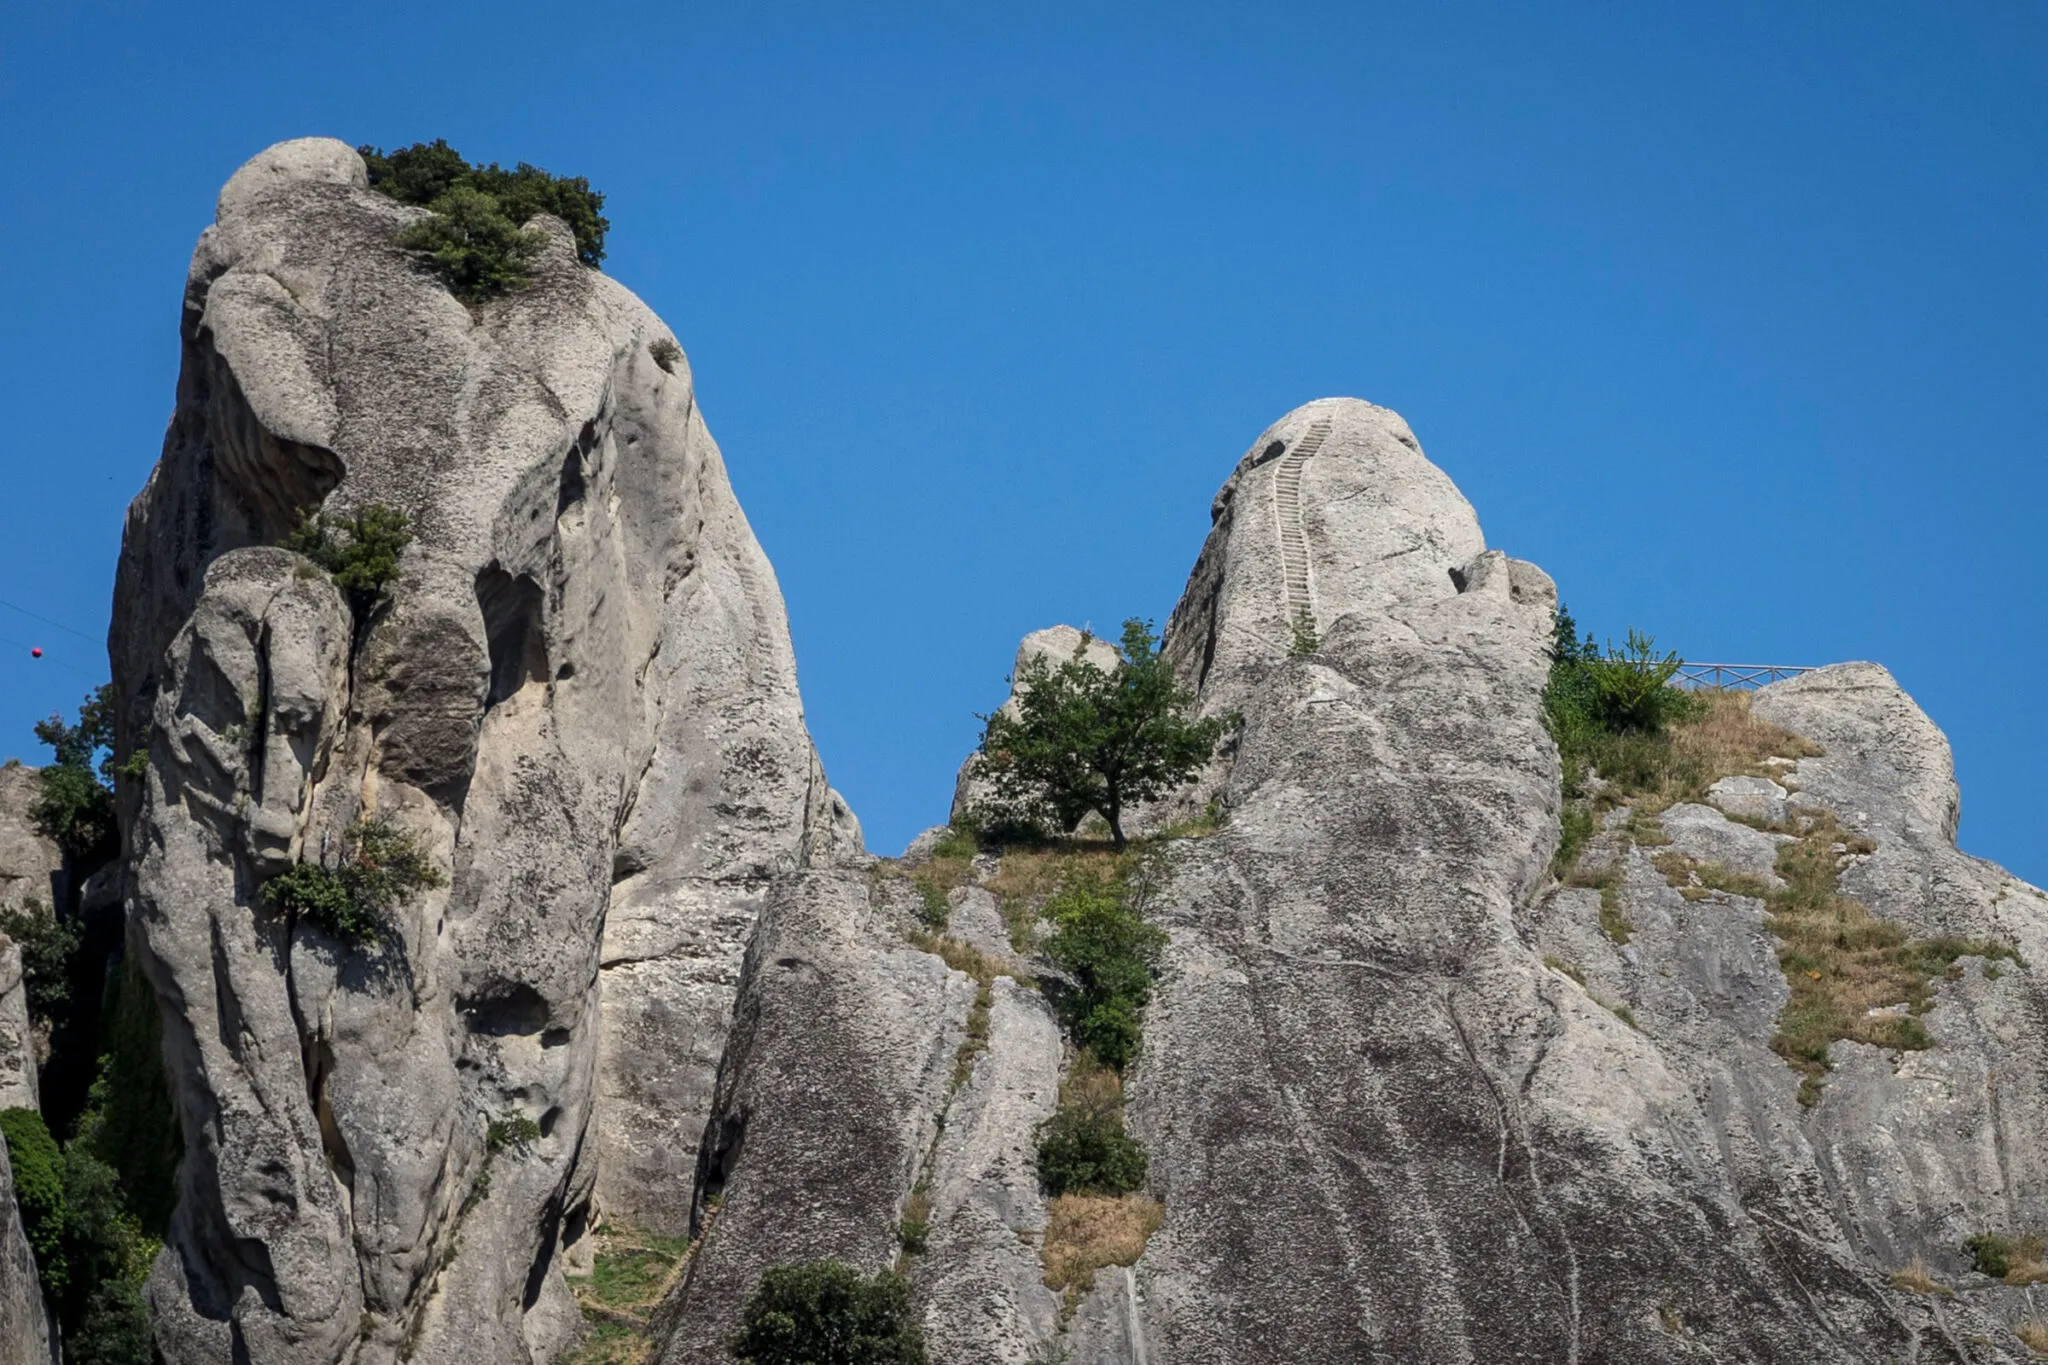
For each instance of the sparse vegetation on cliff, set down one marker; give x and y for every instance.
(477, 240)
(1083, 1148)
(359, 552)
(48, 945)
(74, 805)
(1088, 739)
(1102, 941)
(379, 868)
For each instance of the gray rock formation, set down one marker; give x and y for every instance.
(1405, 1098)
(26, 1337)
(17, 1039)
(31, 865)
(580, 699)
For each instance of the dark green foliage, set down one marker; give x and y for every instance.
(47, 946)
(474, 246)
(1086, 739)
(130, 1121)
(827, 1313)
(1102, 942)
(514, 1133)
(380, 867)
(1996, 1256)
(1306, 640)
(114, 1327)
(1611, 711)
(477, 239)
(1082, 1149)
(39, 1193)
(359, 552)
(74, 803)
(102, 1312)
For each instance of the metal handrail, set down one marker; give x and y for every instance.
(1738, 675)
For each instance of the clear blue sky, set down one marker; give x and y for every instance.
(1732, 317)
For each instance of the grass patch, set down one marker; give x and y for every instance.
(2016, 1260)
(2033, 1335)
(1854, 977)
(965, 957)
(631, 1273)
(1027, 878)
(1086, 1232)
(1697, 880)
(1083, 1148)
(1915, 1279)
(1570, 969)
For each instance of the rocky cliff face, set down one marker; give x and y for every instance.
(580, 700)
(1405, 1097)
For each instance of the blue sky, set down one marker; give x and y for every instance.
(1734, 318)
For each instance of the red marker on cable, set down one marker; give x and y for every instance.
(36, 653)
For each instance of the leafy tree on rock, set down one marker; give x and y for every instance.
(1084, 738)
(827, 1313)
(74, 803)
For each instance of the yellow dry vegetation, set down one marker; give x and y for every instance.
(2033, 1334)
(1915, 1279)
(1086, 1232)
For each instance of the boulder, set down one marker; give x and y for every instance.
(1754, 798)
(579, 700)
(17, 1037)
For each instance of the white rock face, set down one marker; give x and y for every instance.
(17, 1041)
(580, 699)
(26, 1337)
(1757, 798)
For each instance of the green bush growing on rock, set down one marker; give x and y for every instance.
(477, 240)
(38, 1193)
(1996, 1256)
(1083, 1148)
(74, 803)
(380, 868)
(1087, 739)
(47, 946)
(827, 1313)
(1101, 941)
(359, 552)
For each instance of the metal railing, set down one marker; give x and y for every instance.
(1738, 675)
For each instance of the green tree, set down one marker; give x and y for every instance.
(1102, 942)
(474, 246)
(1087, 739)
(379, 868)
(47, 946)
(74, 803)
(827, 1313)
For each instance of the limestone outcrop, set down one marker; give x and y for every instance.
(579, 699)
(31, 864)
(18, 1088)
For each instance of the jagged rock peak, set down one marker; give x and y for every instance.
(579, 700)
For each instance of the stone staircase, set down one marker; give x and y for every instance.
(1287, 505)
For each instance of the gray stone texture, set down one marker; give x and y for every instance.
(17, 1038)
(26, 1335)
(581, 700)
(31, 866)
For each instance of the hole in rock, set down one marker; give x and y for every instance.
(506, 1009)
(1272, 452)
(514, 631)
(572, 488)
(547, 1121)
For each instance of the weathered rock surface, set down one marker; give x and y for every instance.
(17, 1041)
(31, 865)
(580, 699)
(25, 1333)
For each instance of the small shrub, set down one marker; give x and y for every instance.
(2033, 1335)
(39, 1193)
(360, 552)
(1306, 641)
(1998, 1257)
(380, 868)
(1086, 1232)
(474, 246)
(1084, 1149)
(513, 1133)
(666, 353)
(1102, 941)
(914, 1229)
(1915, 1279)
(827, 1313)
(47, 947)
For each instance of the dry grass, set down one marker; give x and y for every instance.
(2033, 1335)
(1085, 1232)
(1915, 1279)
(965, 957)
(1696, 880)
(1854, 976)
(1728, 740)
